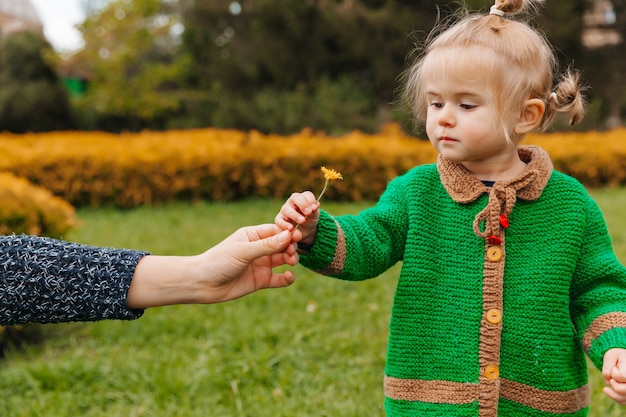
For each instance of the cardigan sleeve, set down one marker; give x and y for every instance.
(362, 246)
(599, 291)
(45, 280)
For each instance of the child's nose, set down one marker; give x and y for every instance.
(446, 116)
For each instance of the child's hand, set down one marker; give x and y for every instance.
(300, 209)
(614, 372)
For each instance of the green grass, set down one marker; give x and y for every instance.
(314, 349)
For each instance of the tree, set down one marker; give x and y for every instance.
(247, 49)
(284, 44)
(131, 54)
(282, 65)
(32, 98)
(604, 61)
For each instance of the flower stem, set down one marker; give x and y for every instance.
(319, 197)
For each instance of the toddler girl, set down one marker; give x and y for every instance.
(508, 273)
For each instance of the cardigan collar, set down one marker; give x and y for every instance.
(464, 187)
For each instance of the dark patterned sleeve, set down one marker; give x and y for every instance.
(45, 280)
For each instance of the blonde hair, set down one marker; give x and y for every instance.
(518, 58)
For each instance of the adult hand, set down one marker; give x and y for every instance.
(239, 265)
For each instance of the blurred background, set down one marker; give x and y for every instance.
(269, 65)
(96, 92)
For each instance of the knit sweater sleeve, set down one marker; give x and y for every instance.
(44, 280)
(599, 291)
(357, 247)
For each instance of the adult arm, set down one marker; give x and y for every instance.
(45, 280)
(239, 265)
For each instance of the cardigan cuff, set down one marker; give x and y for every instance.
(613, 338)
(322, 252)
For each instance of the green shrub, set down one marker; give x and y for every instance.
(32, 97)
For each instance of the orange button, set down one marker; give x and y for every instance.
(492, 372)
(494, 316)
(494, 254)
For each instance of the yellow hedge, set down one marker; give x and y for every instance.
(597, 159)
(94, 168)
(26, 208)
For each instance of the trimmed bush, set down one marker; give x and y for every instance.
(25, 208)
(125, 170)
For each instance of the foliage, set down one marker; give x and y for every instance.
(26, 208)
(131, 56)
(275, 66)
(605, 68)
(335, 107)
(32, 98)
(153, 167)
(299, 43)
(311, 50)
(289, 47)
(594, 158)
(314, 349)
(95, 168)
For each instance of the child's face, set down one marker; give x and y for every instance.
(462, 120)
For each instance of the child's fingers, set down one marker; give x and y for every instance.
(297, 208)
(618, 375)
(614, 373)
(305, 202)
(607, 366)
(614, 365)
(283, 219)
(616, 391)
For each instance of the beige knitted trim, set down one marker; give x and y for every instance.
(491, 224)
(439, 392)
(464, 187)
(339, 259)
(446, 392)
(490, 334)
(600, 325)
(557, 402)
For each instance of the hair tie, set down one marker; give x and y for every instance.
(554, 99)
(494, 10)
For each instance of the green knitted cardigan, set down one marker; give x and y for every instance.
(502, 289)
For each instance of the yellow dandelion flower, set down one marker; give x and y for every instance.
(331, 174)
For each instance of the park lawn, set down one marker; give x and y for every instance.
(316, 348)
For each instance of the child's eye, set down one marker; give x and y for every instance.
(436, 104)
(468, 106)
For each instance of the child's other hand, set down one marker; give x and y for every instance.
(300, 209)
(614, 372)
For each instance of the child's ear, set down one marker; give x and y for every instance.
(531, 116)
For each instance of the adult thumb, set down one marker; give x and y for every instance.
(270, 245)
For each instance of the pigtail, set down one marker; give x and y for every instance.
(567, 97)
(513, 7)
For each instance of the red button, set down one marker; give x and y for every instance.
(504, 221)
